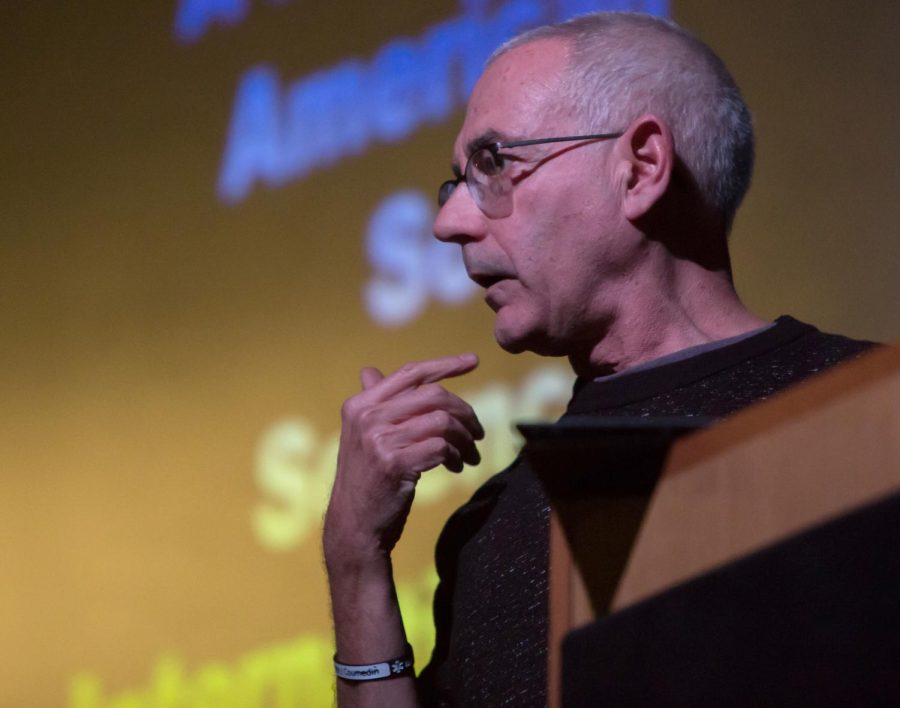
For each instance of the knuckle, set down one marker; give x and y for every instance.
(378, 444)
(442, 419)
(443, 448)
(431, 391)
(388, 457)
(359, 411)
(365, 415)
(349, 408)
(408, 369)
(392, 461)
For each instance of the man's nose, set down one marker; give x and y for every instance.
(459, 220)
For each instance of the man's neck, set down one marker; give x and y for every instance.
(697, 307)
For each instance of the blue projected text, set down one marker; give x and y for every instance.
(279, 133)
(411, 266)
(193, 17)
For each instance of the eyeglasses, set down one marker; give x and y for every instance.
(489, 184)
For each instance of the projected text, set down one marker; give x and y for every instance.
(282, 132)
(295, 465)
(410, 266)
(194, 17)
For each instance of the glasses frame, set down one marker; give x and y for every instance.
(445, 191)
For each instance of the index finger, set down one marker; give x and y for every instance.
(417, 373)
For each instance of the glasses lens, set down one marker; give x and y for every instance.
(445, 190)
(490, 188)
(485, 162)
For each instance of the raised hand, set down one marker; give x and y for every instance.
(395, 429)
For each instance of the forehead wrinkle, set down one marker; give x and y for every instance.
(529, 94)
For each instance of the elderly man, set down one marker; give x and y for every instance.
(597, 174)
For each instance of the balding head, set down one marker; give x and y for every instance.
(624, 65)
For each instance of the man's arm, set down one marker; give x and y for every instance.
(396, 428)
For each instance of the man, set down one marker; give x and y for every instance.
(602, 160)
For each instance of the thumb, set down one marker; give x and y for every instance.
(369, 376)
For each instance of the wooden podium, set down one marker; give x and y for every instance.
(704, 541)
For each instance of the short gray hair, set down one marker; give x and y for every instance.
(624, 64)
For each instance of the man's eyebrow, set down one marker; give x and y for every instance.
(488, 137)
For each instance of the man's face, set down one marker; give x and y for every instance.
(555, 268)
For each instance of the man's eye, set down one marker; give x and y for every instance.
(487, 162)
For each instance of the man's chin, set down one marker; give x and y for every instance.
(509, 339)
(518, 341)
(512, 346)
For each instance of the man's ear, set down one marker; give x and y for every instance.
(648, 152)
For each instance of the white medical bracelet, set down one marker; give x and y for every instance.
(375, 672)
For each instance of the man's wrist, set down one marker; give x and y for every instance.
(391, 668)
(360, 559)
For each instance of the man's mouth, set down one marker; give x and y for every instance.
(486, 280)
(493, 296)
